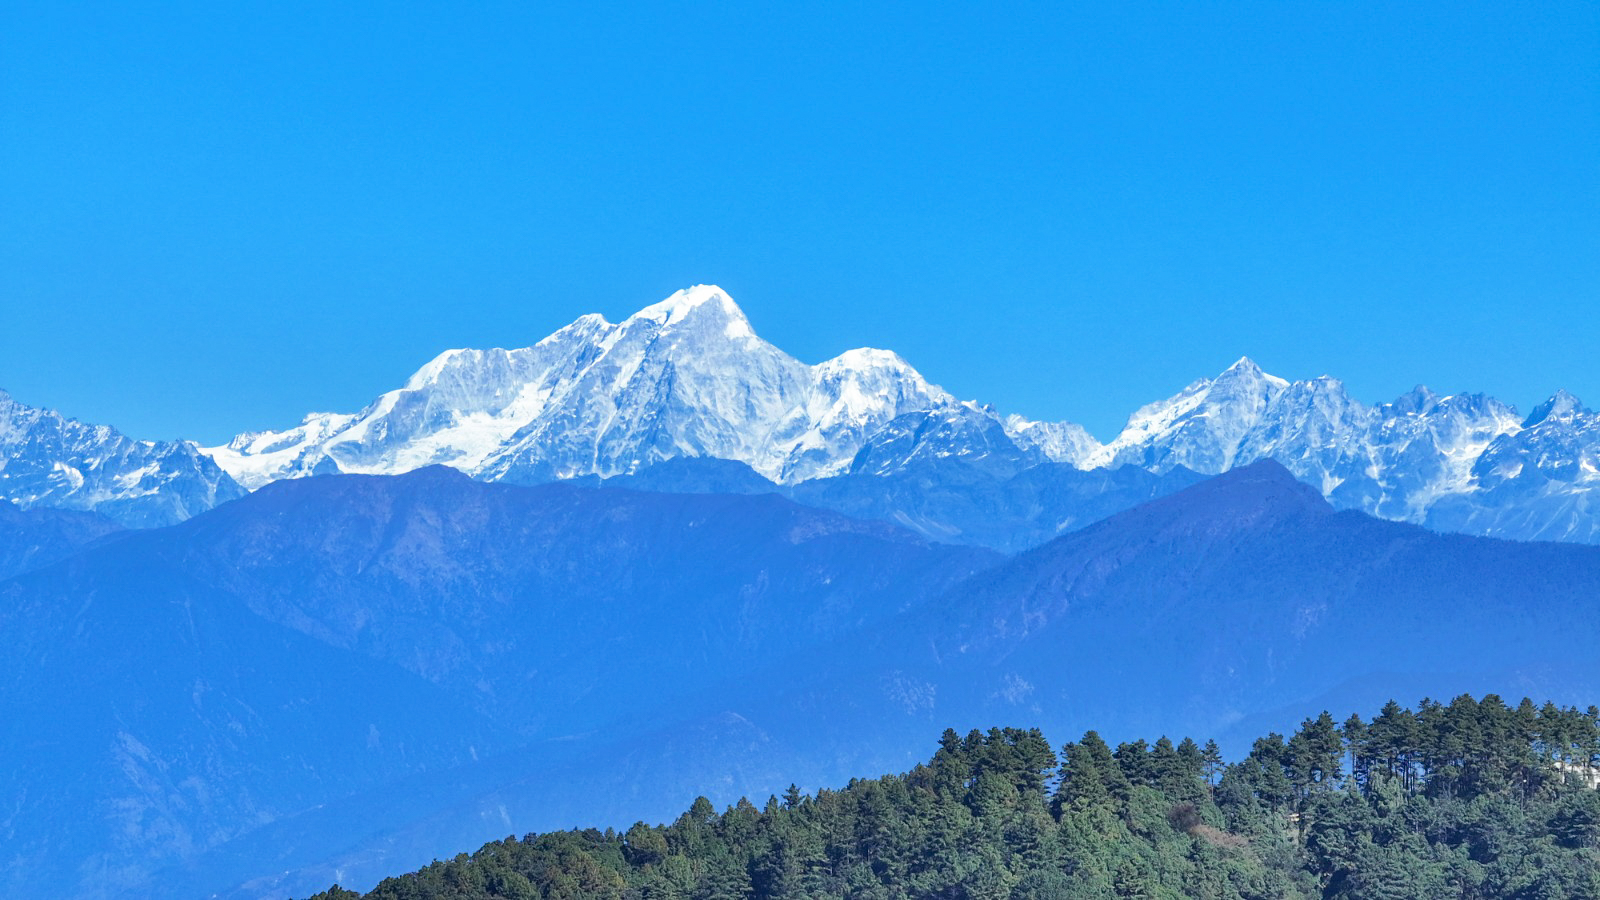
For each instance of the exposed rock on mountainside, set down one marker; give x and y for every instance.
(689, 379)
(49, 460)
(686, 377)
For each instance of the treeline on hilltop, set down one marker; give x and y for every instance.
(1474, 799)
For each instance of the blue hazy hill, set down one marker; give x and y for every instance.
(341, 677)
(1244, 598)
(34, 538)
(176, 689)
(1242, 604)
(945, 498)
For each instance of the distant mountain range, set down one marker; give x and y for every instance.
(337, 677)
(588, 580)
(53, 462)
(689, 379)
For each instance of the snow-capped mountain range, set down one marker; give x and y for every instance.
(1465, 462)
(48, 460)
(689, 378)
(684, 377)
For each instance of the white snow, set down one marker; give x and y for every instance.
(688, 376)
(1062, 442)
(595, 397)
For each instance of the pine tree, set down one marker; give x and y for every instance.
(1213, 761)
(1314, 753)
(1354, 732)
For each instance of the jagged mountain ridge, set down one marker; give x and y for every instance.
(1464, 463)
(688, 378)
(51, 461)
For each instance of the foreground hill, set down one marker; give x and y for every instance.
(1471, 800)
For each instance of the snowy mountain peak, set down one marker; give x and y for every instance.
(50, 460)
(1200, 427)
(1561, 407)
(1244, 365)
(1246, 371)
(1417, 400)
(702, 303)
(685, 377)
(426, 375)
(858, 383)
(867, 358)
(587, 327)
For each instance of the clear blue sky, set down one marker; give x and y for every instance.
(220, 217)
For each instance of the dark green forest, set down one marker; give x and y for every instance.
(1471, 799)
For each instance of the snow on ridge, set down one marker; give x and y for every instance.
(684, 303)
(1395, 460)
(689, 377)
(866, 357)
(431, 371)
(686, 376)
(48, 459)
(1245, 367)
(1060, 442)
(1149, 422)
(1561, 407)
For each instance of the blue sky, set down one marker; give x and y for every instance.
(214, 220)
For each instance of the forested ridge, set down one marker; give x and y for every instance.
(1470, 799)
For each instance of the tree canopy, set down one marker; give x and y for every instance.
(1470, 799)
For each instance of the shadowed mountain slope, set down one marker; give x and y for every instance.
(1237, 606)
(946, 499)
(1242, 594)
(534, 598)
(34, 538)
(176, 689)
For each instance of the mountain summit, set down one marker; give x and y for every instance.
(688, 381)
(705, 302)
(686, 377)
